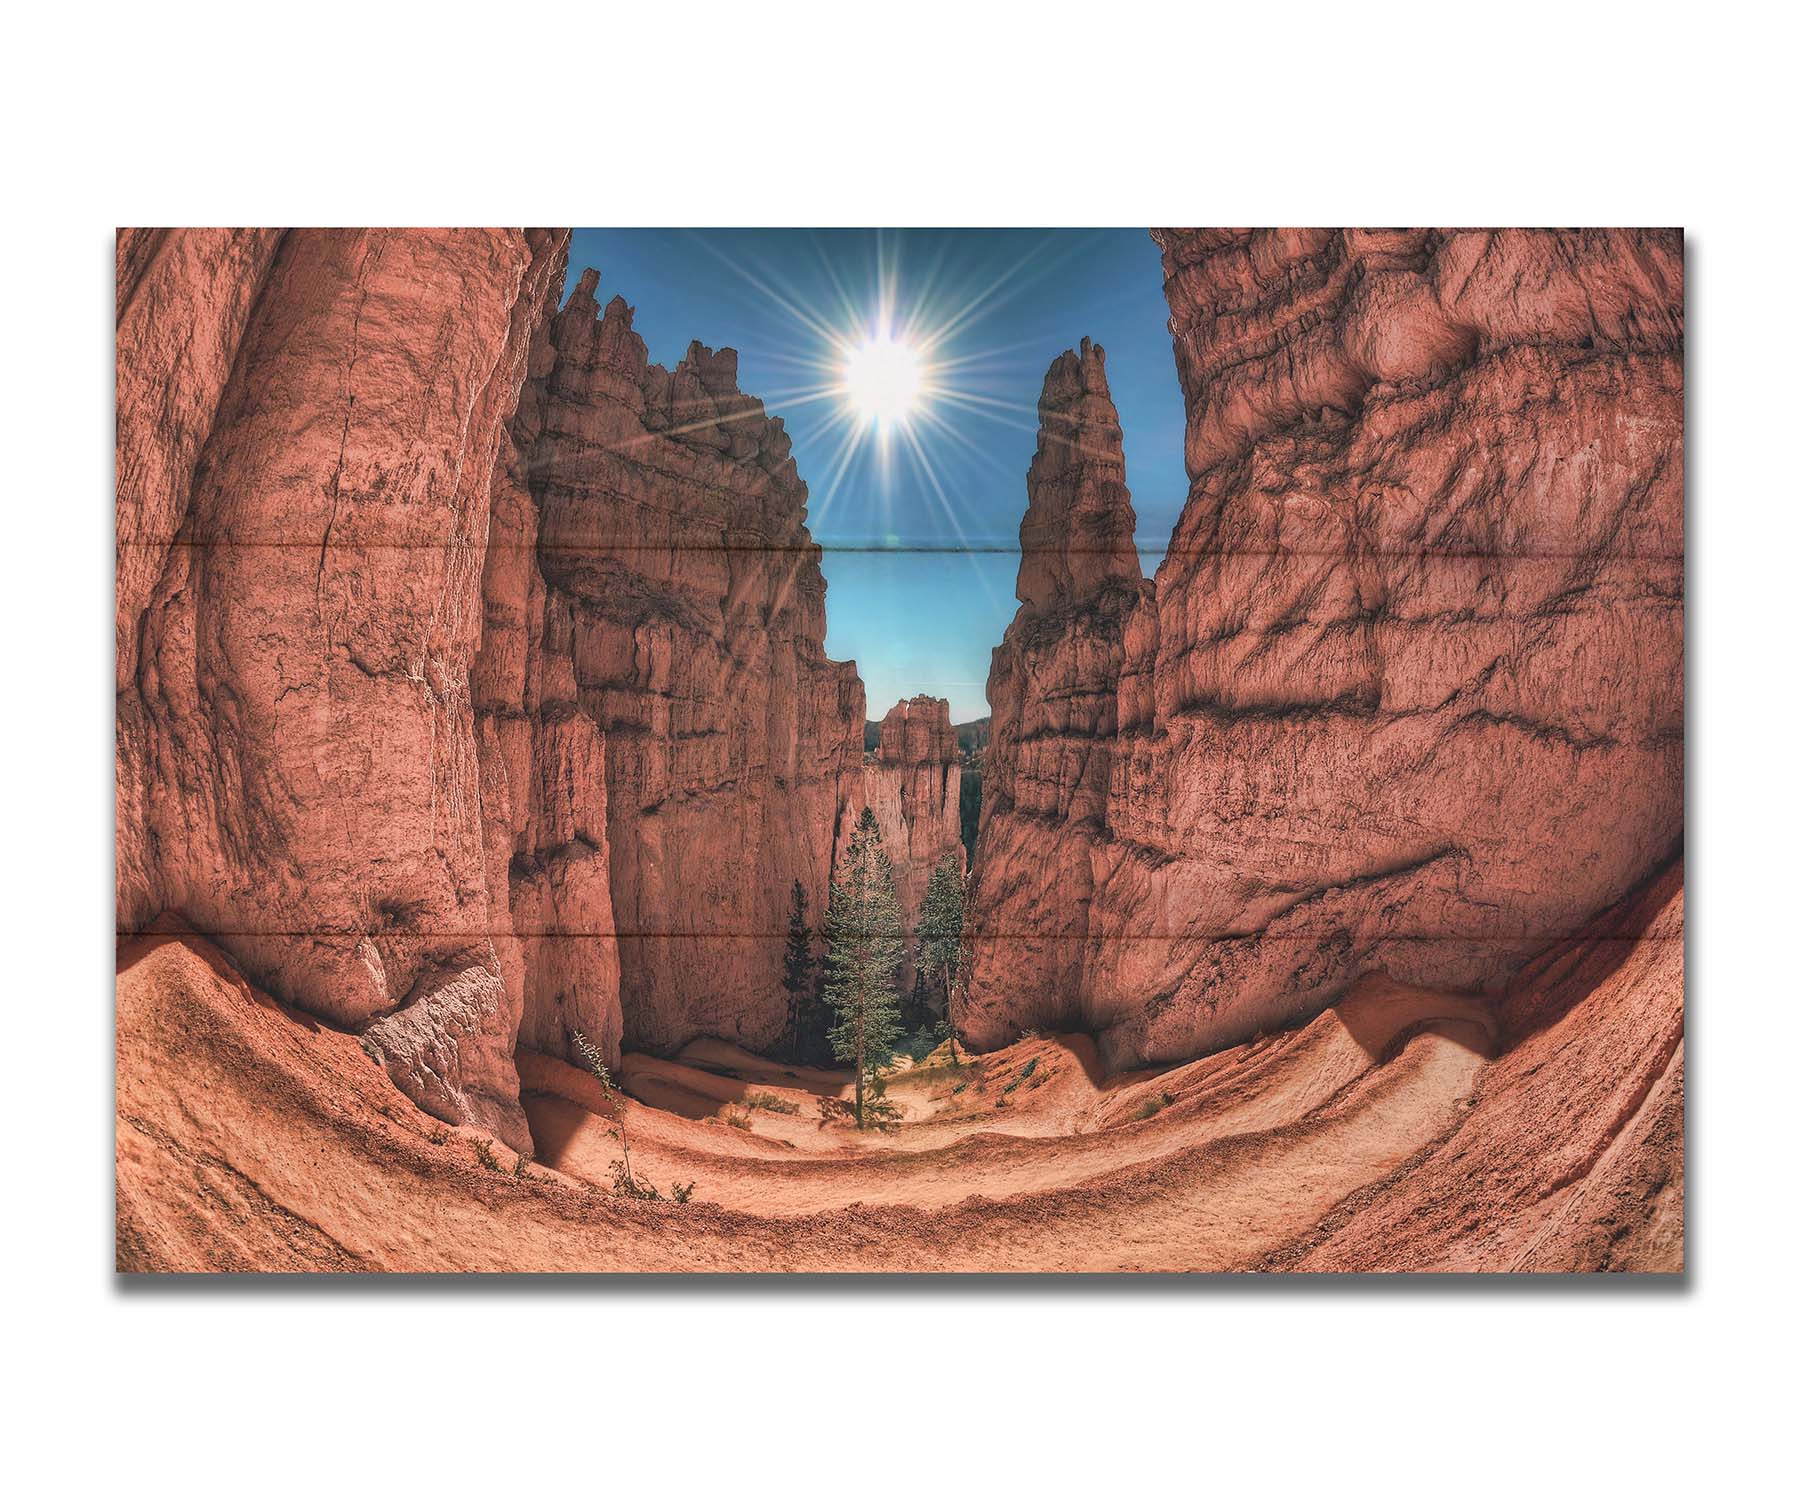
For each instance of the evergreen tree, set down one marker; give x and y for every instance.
(941, 933)
(797, 971)
(864, 942)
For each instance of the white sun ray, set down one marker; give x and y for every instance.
(881, 373)
(965, 547)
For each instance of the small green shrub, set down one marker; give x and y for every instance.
(773, 1103)
(484, 1153)
(681, 1191)
(627, 1186)
(1154, 1105)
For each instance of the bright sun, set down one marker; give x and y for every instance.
(884, 380)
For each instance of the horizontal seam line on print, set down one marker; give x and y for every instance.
(802, 548)
(771, 934)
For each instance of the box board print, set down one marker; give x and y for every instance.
(1225, 813)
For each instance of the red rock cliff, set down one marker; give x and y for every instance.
(543, 767)
(471, 679)
(308, 424)
(1409, 695)
(914, 785)
(1054, 689)
(684, 616)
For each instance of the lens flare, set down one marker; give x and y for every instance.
(884, 379)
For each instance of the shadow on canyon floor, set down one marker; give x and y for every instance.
(1383, 1135)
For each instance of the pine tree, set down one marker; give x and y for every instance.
(797, 970)
(941, 933)
(864, 942)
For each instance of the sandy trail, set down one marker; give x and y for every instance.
(1057, 1127)
(252, 1137)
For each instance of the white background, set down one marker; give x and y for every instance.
(915, 113)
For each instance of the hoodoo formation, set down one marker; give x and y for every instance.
(914, 785)
(472, 686)
(1408, 694)
(1327, 904)
(686, 613)
(1056, 693)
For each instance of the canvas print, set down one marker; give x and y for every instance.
(900, 751)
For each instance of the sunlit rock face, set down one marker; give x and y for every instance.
(914, 784)
(1409, 695)
(685, 618)
(472, 687)
(1055, 689)
(543, 767)
(308, 427)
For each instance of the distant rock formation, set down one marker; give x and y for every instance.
(914, 784)
(1407, 693)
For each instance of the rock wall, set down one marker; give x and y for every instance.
(684, 616)
(1408, 694)
(471, 679)
(543, 767)
(914, 784)
(1054, 691)
(308, 424)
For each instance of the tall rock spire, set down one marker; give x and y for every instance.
(1054, 688)
(1076, 537)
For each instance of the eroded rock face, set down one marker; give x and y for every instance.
(543, 770)
(685, 618)
(914, 785)
(472, 681)
(1054, 689)
(308, 424)
(1570, 1156)
(1409, 695)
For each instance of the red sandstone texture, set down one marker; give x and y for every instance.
(471, 690)
(471, 680)
(685, 617)
(1407, 694)
(1383, 1134)
(1055, 689)
(307, 431)
(914, 785)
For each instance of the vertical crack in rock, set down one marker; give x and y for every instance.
(283, 785)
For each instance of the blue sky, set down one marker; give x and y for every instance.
(921, 532)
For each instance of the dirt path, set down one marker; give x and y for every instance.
(252, 1137)
(1028, 1119)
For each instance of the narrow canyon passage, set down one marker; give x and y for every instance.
(476, 726)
